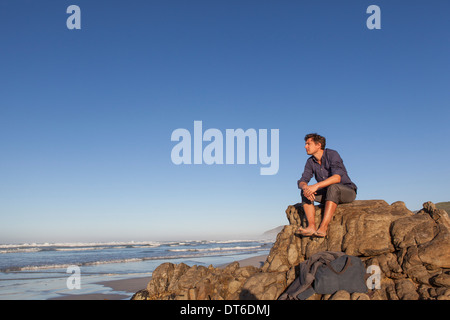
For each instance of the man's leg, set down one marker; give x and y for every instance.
(310, 213)
(330, 208)
(336, 193)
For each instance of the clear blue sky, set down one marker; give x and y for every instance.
(86, 116)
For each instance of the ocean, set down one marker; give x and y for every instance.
(44, 271)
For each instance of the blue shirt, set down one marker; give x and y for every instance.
(331, 164)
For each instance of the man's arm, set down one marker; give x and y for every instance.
(306, 176)
(302, 184)
(328, 181)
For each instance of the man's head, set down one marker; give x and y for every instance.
(314, 143)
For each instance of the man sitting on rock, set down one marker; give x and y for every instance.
(332, 188)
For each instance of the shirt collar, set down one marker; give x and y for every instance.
(323, 156)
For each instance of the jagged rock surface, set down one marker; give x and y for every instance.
(411, 250)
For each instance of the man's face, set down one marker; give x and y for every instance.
(312, 147)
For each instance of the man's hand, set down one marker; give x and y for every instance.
(309, 192)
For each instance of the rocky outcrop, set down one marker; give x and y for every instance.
(412, 251)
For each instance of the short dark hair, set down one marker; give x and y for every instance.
(317, 139)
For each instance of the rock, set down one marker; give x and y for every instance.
(141, 295)
(431, 253)
(264, 286)
(423, 243)
(340, 295)
(359, 296)
(444, 295)
(360, 228)
(412, 252)
(442, 280)
(406, 290)
(181, 282)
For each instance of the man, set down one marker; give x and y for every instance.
(332, 188)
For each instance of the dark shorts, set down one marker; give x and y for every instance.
(338, 193)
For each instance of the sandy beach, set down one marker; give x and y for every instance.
(130, 286)
(133, 285)
(256, 261)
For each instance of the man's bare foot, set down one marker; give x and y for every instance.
(320, 233)
(308, 232)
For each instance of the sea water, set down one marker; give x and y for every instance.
(41, 271)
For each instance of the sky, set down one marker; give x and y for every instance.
(87, 115)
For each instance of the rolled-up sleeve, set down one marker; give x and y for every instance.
(307, 173)
(336, 164)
